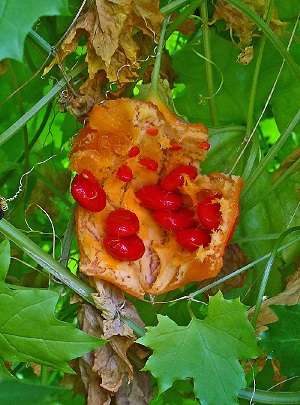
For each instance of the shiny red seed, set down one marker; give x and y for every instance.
(152, 196)
(174, 146)
(124, 173)
(122, 222)
(192, 238)
(209, 213)
(175, 178)
(152, 131)
(126, 248)
(149, 163)
(87, 192)
(204, 145)
(175, 220)
(134, 151)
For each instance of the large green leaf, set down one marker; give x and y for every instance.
(282, 340)
(17, 18)
(29, 330)
(205, 350)
(232, 98)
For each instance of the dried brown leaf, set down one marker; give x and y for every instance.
(243, 27)
(107, 371)
(110, 44)
(290, 296)
(287, 163)
(234, 259)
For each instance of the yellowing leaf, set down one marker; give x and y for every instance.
(111, 45)
(242, 26)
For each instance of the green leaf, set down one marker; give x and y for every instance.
(29, 330)
(16, 392)
(17, 18)
(4, 259)
(282, 340)
(205, 350)
(225, 147)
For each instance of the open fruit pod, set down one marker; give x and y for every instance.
(147, 220)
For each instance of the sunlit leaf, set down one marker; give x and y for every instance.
(16, 20)
(29, 330)
(205, 350)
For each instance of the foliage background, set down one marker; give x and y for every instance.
(258, 101)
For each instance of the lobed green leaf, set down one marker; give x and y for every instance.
(16, 20)
(205, 350)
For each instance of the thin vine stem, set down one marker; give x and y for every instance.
(241, 270)
(46, 261)
(270, 397)
(271, 154)
(248, 205)
(255, 144)
(208, 64)
(267, 272)
(156, 69)
(13, 129)
(269, 33)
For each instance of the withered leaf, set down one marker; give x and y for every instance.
(290, 296)
(107, 371)
(111, 46)
(243, 27)
(234, 259)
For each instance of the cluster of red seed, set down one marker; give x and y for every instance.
(122, 226)
(168, 210)
(122, 241)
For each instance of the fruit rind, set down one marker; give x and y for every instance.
(114, 128)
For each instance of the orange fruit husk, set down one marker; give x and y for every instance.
(101, 147)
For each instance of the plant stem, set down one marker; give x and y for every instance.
(42, 43)
(248, 205)
(272, 152)
(169, 8)
(39, 105)
(22, 112)
(44, 375)
(172, 27)
(241, 270)
(156, 69)
(208, 64)
(269, 33)
(68, 236)
(269, 265)
(255, 144)
(185, 14)
(46, 261)
(270, 397)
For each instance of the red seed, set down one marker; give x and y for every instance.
(204, 145)
(124, 173)
(152, 131)
(192, 238)
(127, 248)
(134, 151)
(152, 196)
(175, 220)
(174, 146)
(87, 192)
(175, 178)
(209, 213)
(122, 222)
(149, 163)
